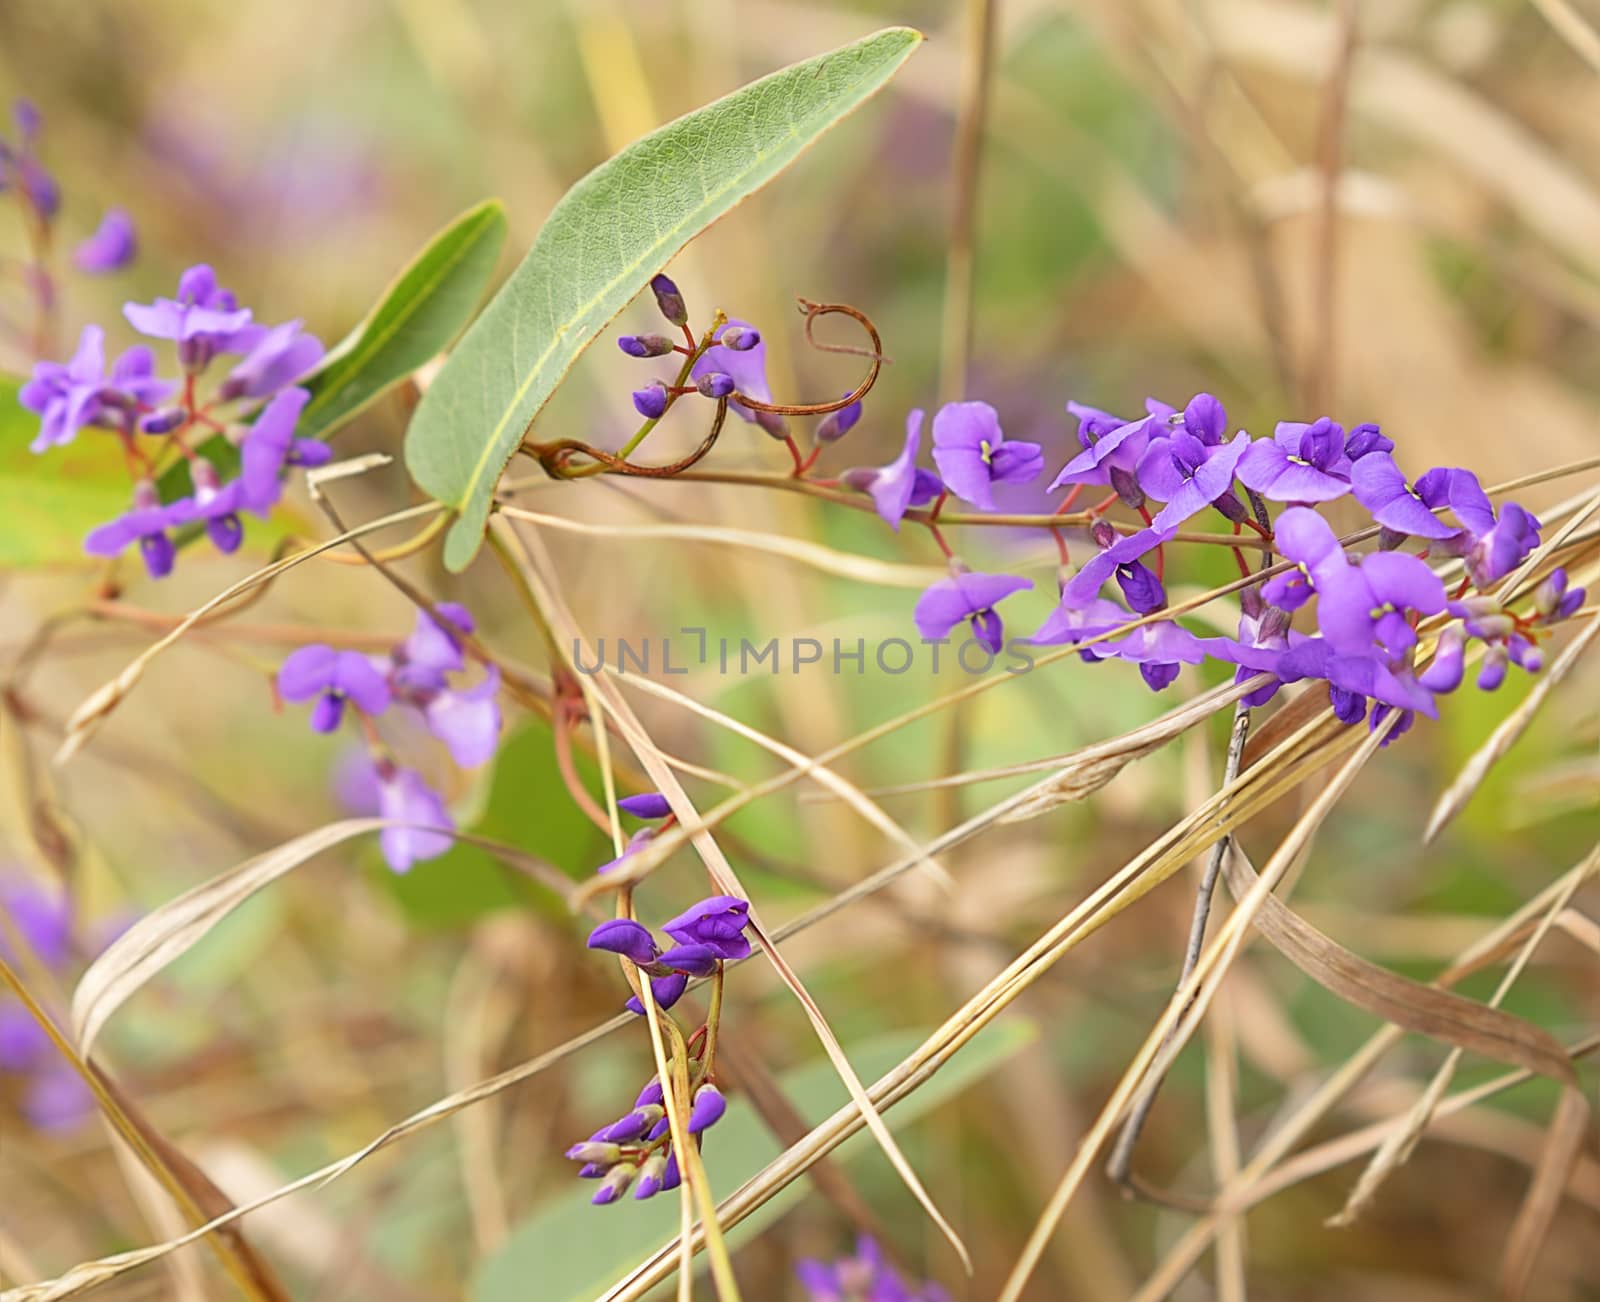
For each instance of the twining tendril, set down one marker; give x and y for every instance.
(554, 457)
(812, 311)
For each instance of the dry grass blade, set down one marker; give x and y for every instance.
(1188, 1005)
(1505, 735)
(88, 717)
(726, 880)
(1573, 28)
(1569, 1130)
(861, 569)
(164, 933)
(841, 787)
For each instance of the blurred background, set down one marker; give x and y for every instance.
(1153, 217)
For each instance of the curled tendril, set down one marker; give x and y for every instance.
(555, 457)
(812, 311)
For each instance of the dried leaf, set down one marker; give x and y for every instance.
(165, 933)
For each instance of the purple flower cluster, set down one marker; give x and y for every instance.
(865, 1277)
(707, 935)
(54, 1096)
(637, 1149)
(415, 674)
(255, 408)
(1370, 607)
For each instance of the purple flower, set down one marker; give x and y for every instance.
(635, 842)
(203, 320)
(973, 455)
(403, 797)
(112, 246)
(1493, 547)
(865, 1277)
(1449, 662)
(1264, 635)
(44, 917)
(146, 524)
(901, 484)
(1303, 536)
(626, 937)
(1366, 606)
(747, 368)
(667, 990)
(647, 804)
(214, 502)
(1075, 620)
(1381, 488)
(1109, 445)
(277, 357)
(1357, 676)
(1188, 474)
(970, 597)
(718, 922)
(67, 397)
(332, 677)
(467, 722)
(1300, 463)
(270, 445)
(434, 648)
(1122, 555)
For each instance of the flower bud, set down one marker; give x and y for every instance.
(709, 1105)
(651, 1173)
(327, 713)
(667, 990)
(669, 300)
(1144, 592)
(651, 1093)
(162, 422)
(774, 424)
(631, 1126)
(660, 1128)
(651, 401)
(1127, 486)
(671, 1178)
(1364, 439)
(1547, 596)
(714, 384)
(616, 1184)
(740, 338)
(1525, 653)
(591, 1171)
(1493, 672)
(645, 345)
(860, 478)
(1231, 507)
(596, 1152)
(1444, 674)
(647, 804)
(836, 424)
(1103, 534)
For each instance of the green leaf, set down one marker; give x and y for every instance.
(528, 807)
(562, 1253)
(423, 310)
(611, 232)
(50, 500)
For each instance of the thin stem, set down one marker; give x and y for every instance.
(1119, 1164)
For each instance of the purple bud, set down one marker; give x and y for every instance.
(1103, 534)
(861, 478)
(740, 338)
(616, 1184)
(667, 990)
(660, 1128)
(1127, 487)
(226, 533)
(650, 1094)
(669, 300)
(651, 401)
(714, 384)
(158, 553)
(327, 713)
(1569, 604)
(591, 1171)
(645, 345)
(631, 1126)
(647, 804)
(1231, 507)
(594, 1151)
(1493, 672)
(836, 424)
(1547, 596)
(1206, 418)
(774, 424)
(162, 422)
(26, 117)
(1444, 674)
(709, 1105)
(1525, 653)
(626, 937)
(670, 1178)
(651, 1173)
(696, 960)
